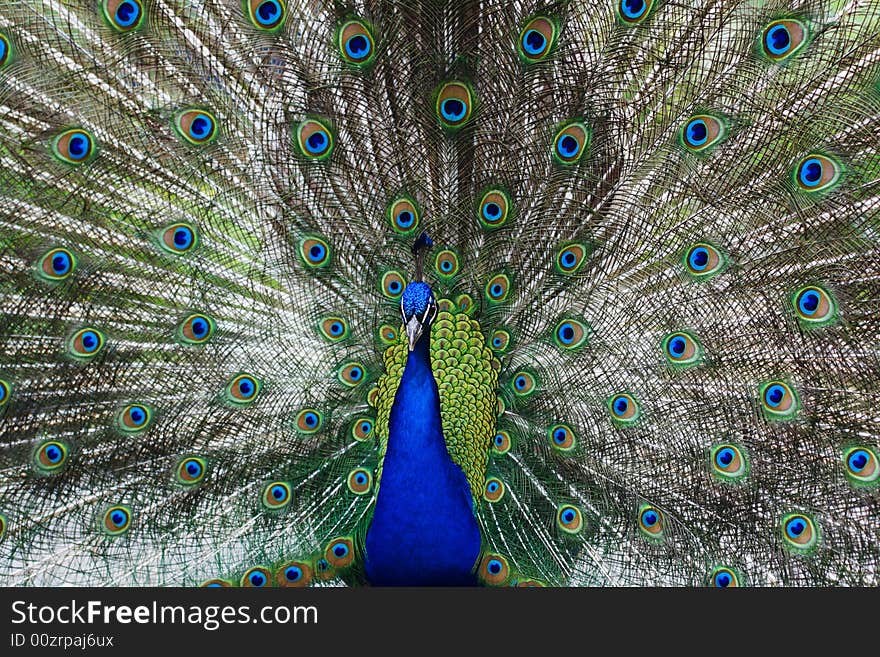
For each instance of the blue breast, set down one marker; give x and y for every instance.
(423, 531)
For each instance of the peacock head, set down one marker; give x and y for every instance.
(417, 304)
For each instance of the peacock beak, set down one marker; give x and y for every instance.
(413, 331)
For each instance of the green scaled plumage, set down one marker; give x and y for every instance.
(657, 258)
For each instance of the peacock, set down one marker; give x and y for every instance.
(439, 292)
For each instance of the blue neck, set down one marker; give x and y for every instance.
(423, 530)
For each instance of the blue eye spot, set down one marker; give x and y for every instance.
(340, 550)
(279, 492)
(778, 40)
(633, 8)
(200, 127)
(494, 566)
(317, 142)
(366, 427)
(725, 457)
(649, 518)
(699, 258)
(811, 172)
(90, 341)
(697, 132)
(533, 42)
(520, 382)
(568, 516)
(137, 415)
(257, 579)
(858, 460)
(568, 258)
(199, 328)
(405, 219)
(357, 46)
(774, 395)
(61, 264)
(182, 238)
(118, 518)
(78, 146)
(293, 573)
(722, 580)
(677, 346)
(394, 286)
(795, 527)
(311, 419)
(620, 406)
(809, 302)
(127, 14)
(268, 12)
(569, 146)
(453, 109)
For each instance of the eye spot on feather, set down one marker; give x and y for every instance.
(537, 38)
(351, 374)
(569, 519)
(116, 520)
(778, 400)
(523, 383)
(494, 209)
(799, 532)
(817, 173)
(178, 238)
(124, 15)
(682, 349)
(465, 303)
(5, 50)
(392, 284)
(215, 583)
(632, 12)
(723, 578)
(74, 146)
(340, 552)
(702, 261)
(5, 392)
(814, 306)
(861, 465)
(360, 481)
(498, 288)
(86, 343)
(500, 340)
(266, 15)
(315, 140)
(191, 470)
(570, 334)
(294, 574)
(333, 329)
(454, 104)
(387, 334)
(446, 264)
(243, 389)
(493, 491)
(571, 257)
(561, 437)
(781, 39)
(403, 215)
(56, 265)
(314, 251)
(276, 495)
(51, 456)
(651, 521)
(701, 132)
(728, 462)
(256, 578)
(308, 420)
(501, 442)
(196, 126)
(624, 409)
(356, 43)
(571, 142)
(494, 569)
(323, 570)
(134, 418)
(362, 429)
(196, 329)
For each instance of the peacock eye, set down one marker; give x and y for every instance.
(494, 489)
(56, 265)
(633, 11)
(500, 340)
(314, 251)
(403, 213)
(501, 442)
(861, 465)
(256, 577)
(196, 126)
(816, 173)
(51, 456)
(682, 349)
(446, 264)
(799, 532)
(703, 260)
(191, 470)
(651, 521)
(5, 50)
(701, 132)
(498, 288)
(124, 15)
(571, 257)
(571, 142)
(814, 306)
(340, 552)
(314, 139)
(196, 329)
(494, 208)
(134, 418)
(569, 518)
(356, 43)
(362, 429)
(624, 408)
(454, 104)
(728, 462)
(570, 334)
(561, 437)
(86, 343)
(351, 374)
(537, 39)
(294, 573)
(276, 495)
(243, 389)
(74, 146)
(178, 238)
(782, 38)
(116, 520)
(778, 400)
(724, 578)
(309, 420)
(266, 14)
(359, 481)
(392, 284)
(524, 383)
